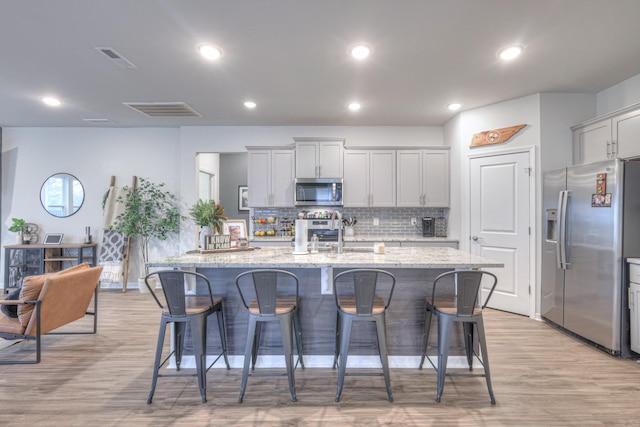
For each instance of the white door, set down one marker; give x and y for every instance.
(499, 225)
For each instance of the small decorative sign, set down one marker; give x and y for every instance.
(601, 200)
(601, 183)
(495, 136)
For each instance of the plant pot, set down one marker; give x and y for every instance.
(142, 287)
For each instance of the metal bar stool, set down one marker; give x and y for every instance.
(462, 307)
(183, 309)
(273, 296)
(357, 300)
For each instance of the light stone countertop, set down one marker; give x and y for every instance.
(413, 237)
(279, 257)
(633, 260)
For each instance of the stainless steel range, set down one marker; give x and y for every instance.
(321, 227)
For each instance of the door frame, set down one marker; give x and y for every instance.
(534, 197)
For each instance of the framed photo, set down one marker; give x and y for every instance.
(53, 238)
(243, 198)
(236, 228)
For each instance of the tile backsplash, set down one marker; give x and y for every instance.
(390, 220)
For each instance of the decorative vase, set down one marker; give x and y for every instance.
(26, 237)
(204, 232)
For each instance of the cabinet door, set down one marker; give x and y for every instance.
(382, 178)
(258, 178)
(435, 172)
(282, 180)
(330, 159)
(356, 178)
(409, 178)
(306, 160)
(634, 306)
(592, 143)
(626, 131)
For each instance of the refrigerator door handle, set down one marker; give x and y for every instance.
(563, 202)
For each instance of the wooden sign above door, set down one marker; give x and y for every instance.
(495, 136)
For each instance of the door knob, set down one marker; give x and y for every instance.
(475, 238)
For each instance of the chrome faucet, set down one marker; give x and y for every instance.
(333, 224)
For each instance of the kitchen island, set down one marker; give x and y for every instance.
(414, 268)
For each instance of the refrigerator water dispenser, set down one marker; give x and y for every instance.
(552, 225)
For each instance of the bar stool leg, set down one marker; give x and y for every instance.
(298, 334)
(337, 349)
(425, 340)
(468, 342)
(156, 365)
(179, 330)
(345, 336)
(485, 358)
(444, 333)
(248, 351)
(382, 348)
(286, 325)
(199, 333)
(223, 337)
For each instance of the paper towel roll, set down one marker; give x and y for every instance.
(302, 235)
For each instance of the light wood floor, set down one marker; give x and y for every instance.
(541, 377)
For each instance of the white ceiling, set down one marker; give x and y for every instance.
(291, 57)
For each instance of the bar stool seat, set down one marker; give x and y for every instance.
(356, 299)
(463, 308)
(182, 309)
(270, 296)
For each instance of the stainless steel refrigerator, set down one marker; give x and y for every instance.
(591, 216)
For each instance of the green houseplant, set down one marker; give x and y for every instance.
(210, 216)
(150, 212)
(19, 225)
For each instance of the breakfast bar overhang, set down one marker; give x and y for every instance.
(415, 268)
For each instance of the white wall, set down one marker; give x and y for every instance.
(619, 96)
(30, 155)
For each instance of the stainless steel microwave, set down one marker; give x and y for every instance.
(318, 192)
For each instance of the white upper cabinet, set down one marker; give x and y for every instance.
(615, 136)
(270, 177)
(369, 178)
(319, 159)
(423, 178)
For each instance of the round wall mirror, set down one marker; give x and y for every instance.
(62, 195)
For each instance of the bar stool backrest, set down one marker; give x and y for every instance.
(468, 285)
(174, 283)
(267, 286)
(362, 285)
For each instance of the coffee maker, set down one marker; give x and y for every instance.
(428, 226)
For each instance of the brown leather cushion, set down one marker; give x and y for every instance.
(10, 325)
(283, 305)
(348, 305)
(31, 288)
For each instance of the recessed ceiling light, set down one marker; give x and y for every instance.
(210, 52)
(454, 106)
(250, 104)
(360, 51)
(51, 101)
(354, 106)
(510, 52)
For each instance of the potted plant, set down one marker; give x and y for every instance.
(210, 216)
(150, 212)
(19, 225)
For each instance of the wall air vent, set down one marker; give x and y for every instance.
(163, 109)
(116, 57)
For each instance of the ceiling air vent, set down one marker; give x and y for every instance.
(116, 57)
(163, 109)
(100, 121)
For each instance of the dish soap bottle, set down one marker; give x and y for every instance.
(314, 244)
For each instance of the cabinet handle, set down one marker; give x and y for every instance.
(614, 149)
(608, 149)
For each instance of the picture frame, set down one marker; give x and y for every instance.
(243, 198)
(53, 238)
(236, 228)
